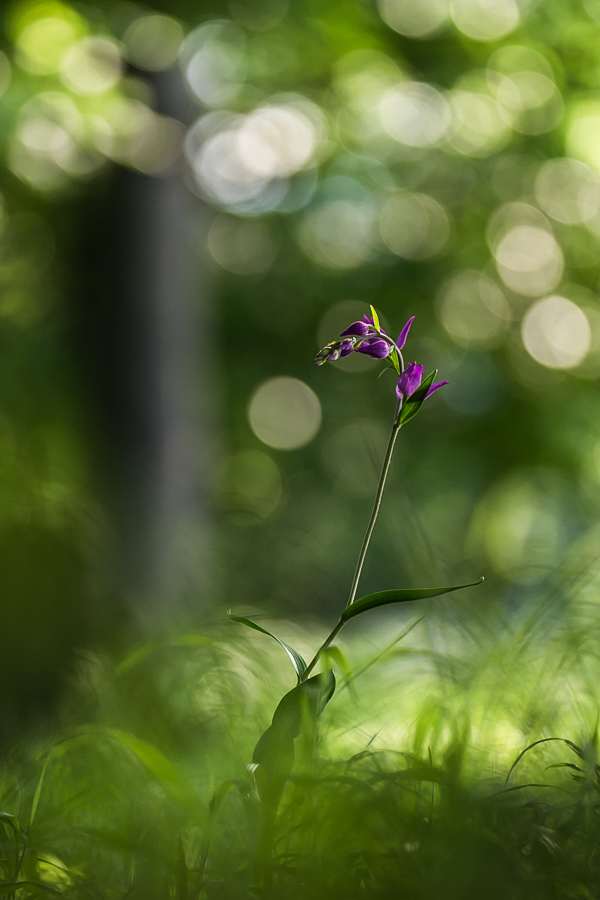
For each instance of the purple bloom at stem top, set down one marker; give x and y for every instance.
(410, 380)
(368, 337)
(365, 337)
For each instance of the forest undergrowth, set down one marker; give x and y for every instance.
(457, 756)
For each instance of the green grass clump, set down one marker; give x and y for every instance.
(403, 787)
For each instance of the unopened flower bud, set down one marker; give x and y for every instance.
(374, 347)
(358, 329)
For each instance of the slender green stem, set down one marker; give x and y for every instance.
(375, 511)
(366, 540)
(330, 637)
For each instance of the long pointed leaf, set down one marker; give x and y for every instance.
(382, 598)
(297, 661)
(413, 404)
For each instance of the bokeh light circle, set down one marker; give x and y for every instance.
(568, 191)
(240, 245)
(42, 44)
(415, 18)
(480, 126)
(523, 82)
(485, 20)
(91, 66)
(556, 333)
(529, 260)
(284, 413)
(152, 42)
(414, 226)
(338, 233)
(415, 114)
(473, 309)
(243, 162)
(213, 60)
(275, 141)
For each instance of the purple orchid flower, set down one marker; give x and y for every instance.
(411, 379)
(368, 338)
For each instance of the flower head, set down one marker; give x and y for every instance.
(368, 337)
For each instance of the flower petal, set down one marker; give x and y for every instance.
(434, 388)
(404, 334)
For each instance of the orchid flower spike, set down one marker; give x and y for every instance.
(369, 338)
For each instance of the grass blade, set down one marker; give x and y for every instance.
(297, 661)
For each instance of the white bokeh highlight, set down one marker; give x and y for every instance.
(556, 333)
(284, 413)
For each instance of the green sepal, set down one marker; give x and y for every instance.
(375, 319)
(297, 661)
(382, 598)
(412, 405)
(395, 360)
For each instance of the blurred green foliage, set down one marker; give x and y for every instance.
(437, 159)
(414, 782)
